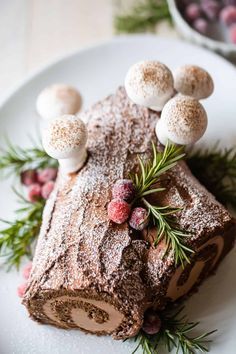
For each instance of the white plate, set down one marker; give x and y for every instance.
(97, 72)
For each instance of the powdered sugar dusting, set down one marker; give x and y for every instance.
(185, 119)
(65, 134)
(151, 76)
(194, 81)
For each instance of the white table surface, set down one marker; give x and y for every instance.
(36, 32)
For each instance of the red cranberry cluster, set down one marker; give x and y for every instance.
(201, 14)
(26, 274)
(39, 183)
(120, 210)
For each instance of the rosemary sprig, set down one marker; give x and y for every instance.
(215, 168)
(143, 16)
(152, 170)
(162, 216)
(167, 230)
(175, 333)
(14, 159)
(17, 238)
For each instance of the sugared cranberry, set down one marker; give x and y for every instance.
(192, 12)
(232, 33)
(47, 189)
(46, 175)
(118, 211)
(152, 322)
(21, 289)
(228, 15)
(26, 270)
(123, 189)
(229, 2)
(28, 177)
(200, 25)
(211, 9)
(34, 192)
(139, 219)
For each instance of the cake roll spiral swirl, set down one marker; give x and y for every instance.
(95, 316)
(204, 260)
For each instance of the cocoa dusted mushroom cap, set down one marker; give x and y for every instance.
(57, 100)
(183, 121)
(149, 84)
(191, 80)
(65, 139)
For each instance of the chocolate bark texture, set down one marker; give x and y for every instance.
(92, 274)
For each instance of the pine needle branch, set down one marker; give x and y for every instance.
(166, 230)
(215, 168)
(176, 333)
(144, 15)
(152, 170)
(17, 238)
(162, 216)
(14, 159)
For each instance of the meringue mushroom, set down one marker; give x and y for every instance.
(56, 100)
(191, 80)
(183, 121)
(65, 139)
(149, 84)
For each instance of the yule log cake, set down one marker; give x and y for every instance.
(92, 274)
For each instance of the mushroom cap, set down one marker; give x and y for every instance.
(191, 80)
(65, 137)
(149, 84)
(184, 120)
(56, 100)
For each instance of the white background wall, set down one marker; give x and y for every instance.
(35, 32)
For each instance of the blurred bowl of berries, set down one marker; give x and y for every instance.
(210, 23)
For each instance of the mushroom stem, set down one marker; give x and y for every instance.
(73, 164)
(161, 132)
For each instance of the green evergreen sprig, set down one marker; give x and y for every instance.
(145, 182)
(14, 159)
(151, 171)
(167, 230)
(17, 238)
(215, 168)
(176, 333)
(143, 16)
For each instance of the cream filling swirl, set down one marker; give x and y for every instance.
(81, 318)
(175, 291)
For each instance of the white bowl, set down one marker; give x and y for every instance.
(226, 49)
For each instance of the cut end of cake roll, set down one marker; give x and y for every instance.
(176, 283)
(95, 313)
(211, 235)
(89, 281)
(102, 295)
